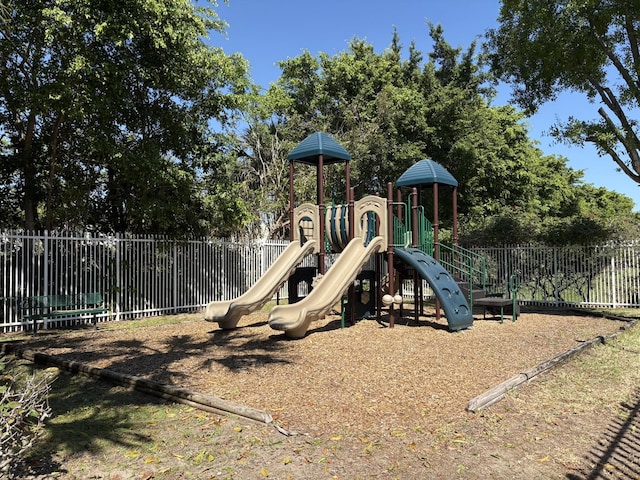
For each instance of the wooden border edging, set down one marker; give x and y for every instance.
(498, 392)
(166, 392)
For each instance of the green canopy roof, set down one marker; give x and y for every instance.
(316, 144)
(426, 172)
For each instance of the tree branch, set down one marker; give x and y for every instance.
(52, 169)
(630, 140)
(633, 42)
(633, 84)
(611, 151)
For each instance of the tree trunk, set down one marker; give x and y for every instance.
(53, 160)
(30, 202)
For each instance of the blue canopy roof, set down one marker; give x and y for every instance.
(426, 172)
(316, 144)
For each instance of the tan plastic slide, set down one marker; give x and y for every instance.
(228, 312)
(294, 319)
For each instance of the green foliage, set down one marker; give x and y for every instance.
(590, 216)
(507, 226)
(107, 109)
(389, 112)
(118, 116)
(591, 47)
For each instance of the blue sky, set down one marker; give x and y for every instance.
(267, 31)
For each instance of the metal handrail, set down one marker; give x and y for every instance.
(464, 262)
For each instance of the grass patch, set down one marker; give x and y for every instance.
(118, 325)
(123, 429)
(152, 321)
(601, 377)
(91, 416)
(272, 303)
(620, 312)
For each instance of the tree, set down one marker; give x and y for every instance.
(390, 111)
(106, 111)
(585, 46)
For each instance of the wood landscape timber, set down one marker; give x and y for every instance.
(498, 392)
(167, 392)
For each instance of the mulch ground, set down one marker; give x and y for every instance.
(335, 381)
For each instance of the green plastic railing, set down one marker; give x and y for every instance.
(468, 266)
(401, 229)
(425, 233)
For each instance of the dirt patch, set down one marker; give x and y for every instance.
(361, 402)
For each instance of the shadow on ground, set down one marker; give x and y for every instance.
(235, 349)
(617, 453)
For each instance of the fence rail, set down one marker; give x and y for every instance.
(138, 276)
(142, 276)
(590, 276)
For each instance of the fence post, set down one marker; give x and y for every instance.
(507, 261)
(45, 273)
(613, 279)
(556, 292)
(117, 278)
(175, 277)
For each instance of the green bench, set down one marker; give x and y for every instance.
(41, 308)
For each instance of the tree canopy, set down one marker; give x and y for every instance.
(393, 108)
(122, 116)
(587, 46)
(106, 112)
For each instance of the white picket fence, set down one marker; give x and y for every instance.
(144, 276)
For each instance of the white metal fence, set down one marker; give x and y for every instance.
(138, 276)
(143, 276)
(589, 276)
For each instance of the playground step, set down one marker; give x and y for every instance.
(477, 292)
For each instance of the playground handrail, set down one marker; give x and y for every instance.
(401, 229)
(462, 261)
(425, 232)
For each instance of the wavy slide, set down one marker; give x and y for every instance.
(294, 319)
(228, 312)
(453, 301)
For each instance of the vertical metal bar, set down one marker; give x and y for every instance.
(596, 280)
(625, 277)
(6, 281)
(200, 279)
(126, 288)
(129, 305)
(390, 251)
(5, 278)
(174, 275)
(46, 263)
(613, 279)
(636, 276)
(153, 298)
(555, 276)
(136, 272)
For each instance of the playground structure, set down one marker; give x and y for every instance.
(362, 232)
